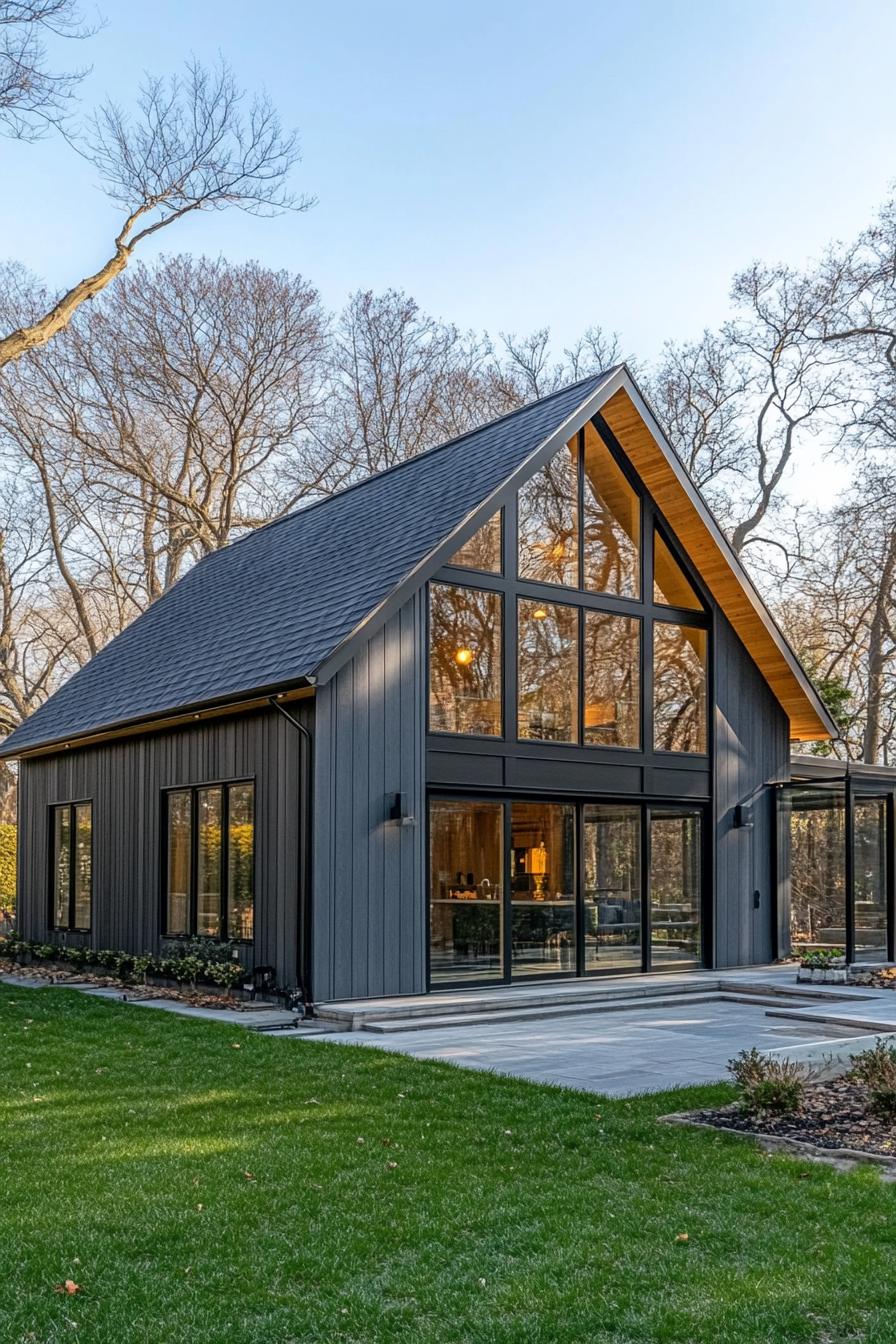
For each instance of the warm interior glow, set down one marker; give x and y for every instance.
(539, 614)
(464, 657)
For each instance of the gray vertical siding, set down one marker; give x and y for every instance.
(125, 781)
(752, 750)
(369, 873)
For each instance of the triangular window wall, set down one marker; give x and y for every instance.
(671, 587)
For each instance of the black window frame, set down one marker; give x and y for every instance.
(642, 607)
(194, 790)
(71, 926)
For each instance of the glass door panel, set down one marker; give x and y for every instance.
(675, 887)
(870, 841)
(612, 898)
(542, 889)
(466, 932)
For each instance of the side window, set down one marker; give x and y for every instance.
(71, 866)
(210, 862)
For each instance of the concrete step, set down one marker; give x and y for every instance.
(354, 1016)
(872, 1019)
(391, 1026)
(503, 1005)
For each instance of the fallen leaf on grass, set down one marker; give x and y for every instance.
(682, 1236)
(248, 1175)
(390, 1166)
(235, 1045)
(68, 1287)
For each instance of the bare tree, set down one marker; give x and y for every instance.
(742, 404)
(177, 412)
(33, 96)
(529, 369)
(193, 144)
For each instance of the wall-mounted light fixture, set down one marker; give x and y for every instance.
(399, 809)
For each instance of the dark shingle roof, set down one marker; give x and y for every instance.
(269, 609)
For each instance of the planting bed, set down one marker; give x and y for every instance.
(833, 1116)
(56, 974)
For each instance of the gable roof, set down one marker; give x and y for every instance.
(285, 605)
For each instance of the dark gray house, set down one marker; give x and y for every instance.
(509, 709)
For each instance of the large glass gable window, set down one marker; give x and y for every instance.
(210, 862)
(465, 640)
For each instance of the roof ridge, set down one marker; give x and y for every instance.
(409, 461)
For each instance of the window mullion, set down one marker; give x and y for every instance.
(223, 921)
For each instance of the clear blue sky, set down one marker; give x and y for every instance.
(516, 164)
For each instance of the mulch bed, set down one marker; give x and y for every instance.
(833, 1116)
(54, 976)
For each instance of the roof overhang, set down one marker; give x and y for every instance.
(678, 498)
(184, 717)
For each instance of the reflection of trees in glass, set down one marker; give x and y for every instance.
(612, 680)
(817, 866)
(548, 671)
(548, 523)
(83, 865)
(465, 660)
(240, 861)
(179, 841)
(63, 847)
(611, 524)
(612, 885)
(208, 871)
(483, 550)
(675, 885)
(679, 687)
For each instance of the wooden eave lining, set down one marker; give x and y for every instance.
(147, 726)
(714, 567)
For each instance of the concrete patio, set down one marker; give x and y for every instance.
(623, 1036)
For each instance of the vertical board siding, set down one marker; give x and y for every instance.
(369, 880)
(125, 781)
(752, 751)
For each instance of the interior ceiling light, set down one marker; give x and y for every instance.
(464, 657)
(539, 614)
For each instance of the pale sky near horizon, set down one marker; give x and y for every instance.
(514, 164)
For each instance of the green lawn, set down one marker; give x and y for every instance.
(208, 1186)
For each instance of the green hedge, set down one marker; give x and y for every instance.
(8, 866)
(200, 960)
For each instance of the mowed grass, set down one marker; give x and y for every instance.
(208, 1186)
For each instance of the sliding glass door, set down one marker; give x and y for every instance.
(524, 889)
(676, 861)
(612, 895)
(542, 888)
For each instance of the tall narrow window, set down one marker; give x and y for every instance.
(483, 550)
(240, 853)
(611, 525)
(464, 660)
(548, 522)
(671, 586)
(679, 687)
(210, 862)
(71, 874)
(612, 680)
(180, 845)
(548, 671)
(208, 867)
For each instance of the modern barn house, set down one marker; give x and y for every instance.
(509, 710)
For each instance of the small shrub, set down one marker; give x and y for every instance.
(142, 967)
(768, 1086)
(45, 951)
(882, 1104)
(820, 958)
(876, 1068)
(225, 973)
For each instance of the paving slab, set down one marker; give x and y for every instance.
(617, 1054)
